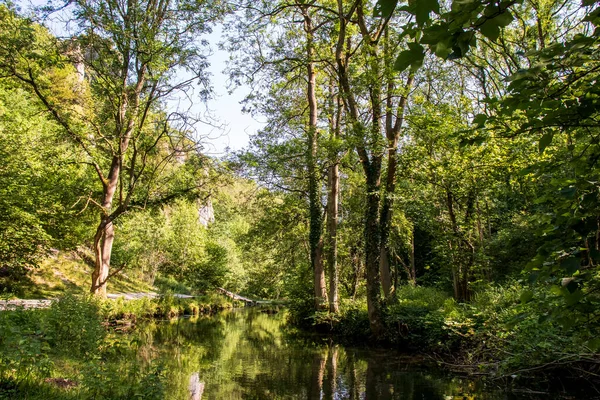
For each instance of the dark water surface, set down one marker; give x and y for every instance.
(248, 354)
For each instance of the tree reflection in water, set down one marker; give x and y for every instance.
(248, 354)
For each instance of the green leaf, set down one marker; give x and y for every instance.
(533, 277)
(479, 120)
(545, 141)
(442, 50)
(412, 57)
(574, 298)
(423, 8)
(527, 170)
(567, 321)
(557, 290)
(384, 8)
(465, 41)
(435, 33)
(403, 61)
(490, 29)
(526, 296)
(515, 320)
(568, 192)
(504, 19)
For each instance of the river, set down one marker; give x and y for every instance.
(250, 354)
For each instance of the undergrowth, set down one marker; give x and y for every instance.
(504, 331)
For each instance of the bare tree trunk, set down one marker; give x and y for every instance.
(319, 277)
(103, 250)
(357, 270)
(413, 270)
(332, 208)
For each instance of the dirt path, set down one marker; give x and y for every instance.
(34, 304)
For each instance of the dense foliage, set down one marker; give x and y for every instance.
(427, 177)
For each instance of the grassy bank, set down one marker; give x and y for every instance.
(70, 271)
(501, 333)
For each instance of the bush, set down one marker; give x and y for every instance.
(23, 347)
(74, 324)
(354, 321)
(170, 284)
(416, 320)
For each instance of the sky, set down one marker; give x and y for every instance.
(226, 107)
(231, 128)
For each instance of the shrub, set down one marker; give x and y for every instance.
(416, 320)
(74, 324)
(23, 347)
(354, 321)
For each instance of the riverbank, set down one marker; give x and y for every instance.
(239, 353)
(40, 348)
(499, 334)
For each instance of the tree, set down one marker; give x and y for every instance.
(136, 55)
(372, 136)
(288, 71)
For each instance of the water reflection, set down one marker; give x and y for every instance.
(246, 354)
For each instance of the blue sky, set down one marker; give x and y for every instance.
(226, 107)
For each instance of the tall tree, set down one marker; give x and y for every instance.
(292, 65)
(372, 136)
(135, 56)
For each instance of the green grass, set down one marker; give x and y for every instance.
(68, 272)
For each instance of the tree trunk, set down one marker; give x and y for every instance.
(105, 233)
(461, 267)
(316, 215)
(102, 250)
(392, 131)
(333, 183)
(332, 209)
(371, 164)
(372, 251)
(356, 261)
(413, 270)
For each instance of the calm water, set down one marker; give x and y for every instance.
(247, 354)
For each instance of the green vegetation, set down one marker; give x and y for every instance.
(427, 178)
(69, 346)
